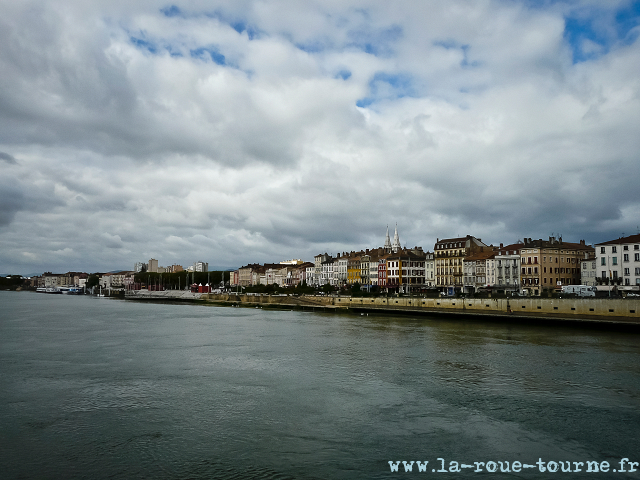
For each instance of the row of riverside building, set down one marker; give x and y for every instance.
(456, 265)
(462, 265)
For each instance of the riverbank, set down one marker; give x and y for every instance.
(600, 310)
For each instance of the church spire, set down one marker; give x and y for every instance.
(387, 242)
(396, 241)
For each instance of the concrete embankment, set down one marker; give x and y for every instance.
(601, 310)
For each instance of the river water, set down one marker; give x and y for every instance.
(100, 388)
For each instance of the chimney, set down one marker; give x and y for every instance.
(501, 246)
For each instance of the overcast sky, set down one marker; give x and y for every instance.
(236, 132)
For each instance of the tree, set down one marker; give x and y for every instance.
(93, 281)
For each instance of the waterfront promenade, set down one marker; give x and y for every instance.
(162, 295)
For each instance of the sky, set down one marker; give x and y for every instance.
(237, 132)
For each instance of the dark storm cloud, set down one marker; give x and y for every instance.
(5, 157)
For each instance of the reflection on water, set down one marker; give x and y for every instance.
(101, 388)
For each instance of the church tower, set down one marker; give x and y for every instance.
(396, 240)
(387, 242)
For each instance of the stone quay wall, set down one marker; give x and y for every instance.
(596, 309)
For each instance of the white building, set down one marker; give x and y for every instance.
(310, 275)
(326, 274)
(201, 267)
(589, 270)
(341, 270)
(318, 260)
(507, 268)
(619, 261)
(430, 270)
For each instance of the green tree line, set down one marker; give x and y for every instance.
(173, 281)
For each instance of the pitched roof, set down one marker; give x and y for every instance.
(621, 240)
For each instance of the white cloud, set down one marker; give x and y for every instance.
(478, 121)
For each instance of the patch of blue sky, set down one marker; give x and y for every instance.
(627, 21)
(465, 62)
(343, 74)
(388, 86)
(451, 44)
(593, 33)
(143, 44)
(206, 53)
(448, 44)
(311, 47)
(238, 25)
(364, 102)
(172, 11)
(586, 41)
(378, 43)
(242, 27)
(153, 47)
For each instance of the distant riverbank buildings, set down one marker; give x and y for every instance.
(463, 265)
(460, 265)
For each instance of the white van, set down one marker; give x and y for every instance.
(579, 290)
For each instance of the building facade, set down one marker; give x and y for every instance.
(449, 255)
(618, 262)
(547, 265)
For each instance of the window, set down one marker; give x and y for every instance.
(636, 247)
(535, 270)
(637, 271)
(627, 272)
(636, 257)
(602, 250)
(625, 257)
(535, 259)
(627, 282)
(545, 269)
(614, 260)
(584, 266)
(604, 274)
(603, 261)
(614, 249)
(625, 248)
(615, 274)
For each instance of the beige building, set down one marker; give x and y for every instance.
(152, 266)
(548, 264)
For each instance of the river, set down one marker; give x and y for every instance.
(102, 388)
